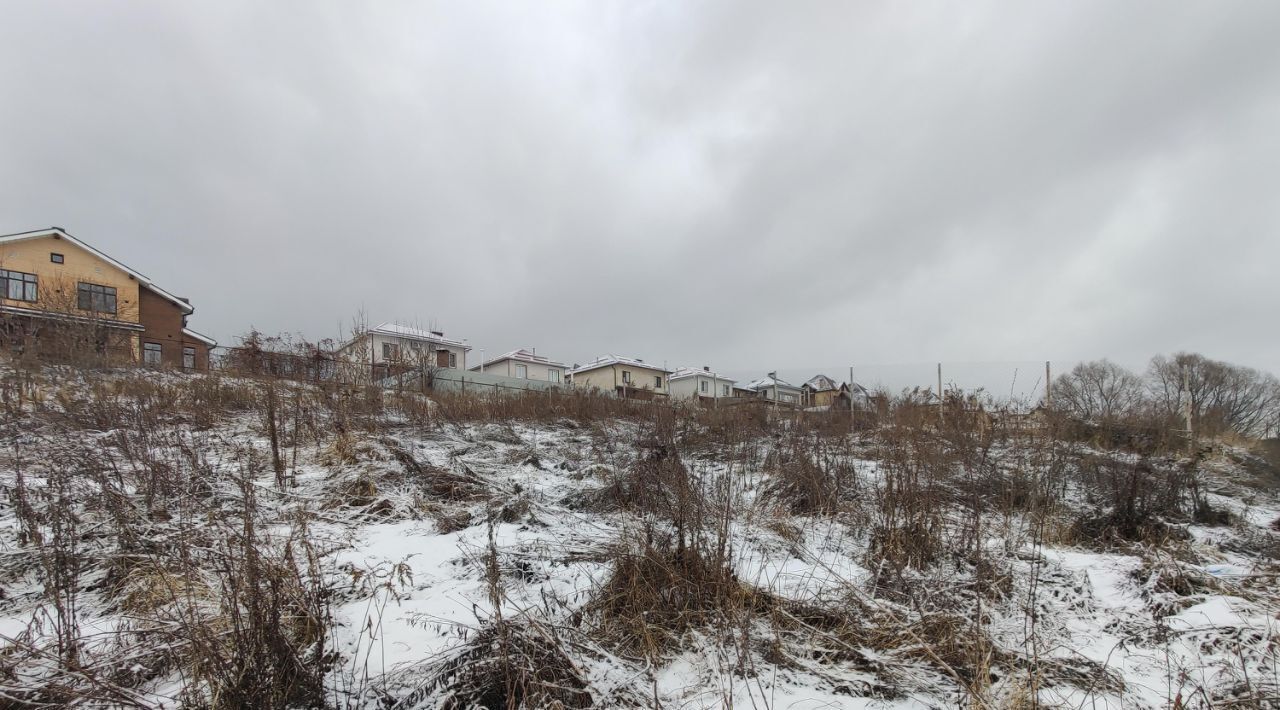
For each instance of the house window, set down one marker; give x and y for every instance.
(151, 353)
(189, 358)
(626, 377)
(390, 351)
(19, 286)
(702, 385)
(553, 376)
(453, 359)
(55, 257)
(92, 297)
(724, 390)
(657, 381)
(522, 371)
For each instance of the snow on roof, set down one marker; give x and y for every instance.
(682, 372)
(202, 338)
(404, 331)
(821, 383)
(141, 278)
(523, 356)
(608, 360)
(767, 382)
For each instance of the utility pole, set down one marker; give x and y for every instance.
(851, 395)
(940, 414)
(1187, 409)
(1048, 385)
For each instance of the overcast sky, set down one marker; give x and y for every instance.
(745, 185)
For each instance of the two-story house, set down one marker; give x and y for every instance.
(624, 376)
(703, 384)
(388, 348)
(60, 296)
(526, 365)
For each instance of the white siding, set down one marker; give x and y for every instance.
(689, 387)
(536, 370)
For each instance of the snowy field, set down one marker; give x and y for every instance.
(397, 552)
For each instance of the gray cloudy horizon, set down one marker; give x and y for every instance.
(747, 185)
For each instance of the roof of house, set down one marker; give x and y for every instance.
(202, 338)
(683, 372)
(609, 360)
(409, 333)
(138, 276)
(821, 383)
(521, 355)
(767, 382)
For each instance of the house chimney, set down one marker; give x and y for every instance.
(438, 333)
(706, 368)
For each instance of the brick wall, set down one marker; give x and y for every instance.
(163, 322)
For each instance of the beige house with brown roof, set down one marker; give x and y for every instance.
(59, 295)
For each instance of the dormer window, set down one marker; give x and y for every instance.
(55, 257)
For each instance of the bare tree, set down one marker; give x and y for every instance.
(1223, 397)
(1098, 390)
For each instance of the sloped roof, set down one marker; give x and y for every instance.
(822, 383)
(522, 355)
(767, 382)
(410, 333)
(608, 360)
(683, 372)
(138, 276)
(202, 338)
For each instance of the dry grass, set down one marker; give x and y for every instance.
(507, 665)
(658, 591)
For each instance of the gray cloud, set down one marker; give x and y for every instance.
(744, 185)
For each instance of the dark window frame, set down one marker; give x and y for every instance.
(28, 285)
(97, 298)
(188, 356)
(57, 258)
(148, 348)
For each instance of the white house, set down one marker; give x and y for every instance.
(525, 365)
(773, 389)
(690, 382)
(624, 376)
(389, 345)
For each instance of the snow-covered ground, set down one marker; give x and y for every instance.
(410, 572)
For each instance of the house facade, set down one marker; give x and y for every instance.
(623, 376)
(525, 365)
(61, 296)
(388, 348)
(821, 391)
(700, 383)
(773, 389)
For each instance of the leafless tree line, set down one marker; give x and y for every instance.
(1221, 397)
